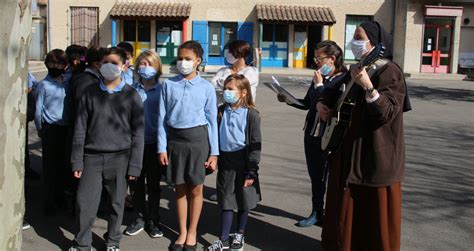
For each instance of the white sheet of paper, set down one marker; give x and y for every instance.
(277, 88)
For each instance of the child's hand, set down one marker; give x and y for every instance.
(132, 178)
(211, 163)
(248, 182)
(77, 174)
(40, 133)
(163, 158)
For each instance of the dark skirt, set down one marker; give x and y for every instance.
(361, 217)
(188, 150)
(231, 194)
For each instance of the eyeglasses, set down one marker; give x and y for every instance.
(319, 59)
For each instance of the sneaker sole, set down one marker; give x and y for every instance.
(238, 249)
(156, 235)
(134, 233)
(25, 227)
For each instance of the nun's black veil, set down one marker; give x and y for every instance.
(377, 35)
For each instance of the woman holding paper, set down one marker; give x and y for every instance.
(329, 60)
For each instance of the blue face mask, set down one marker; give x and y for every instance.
(325, 70)
(230, 97)
(147, 72)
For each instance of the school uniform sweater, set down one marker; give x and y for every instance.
(77, 84)
(109, 122)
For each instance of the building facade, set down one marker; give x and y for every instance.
(38, 44)
(434, 36)
(284, 31)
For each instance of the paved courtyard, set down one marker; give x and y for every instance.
(438, 194)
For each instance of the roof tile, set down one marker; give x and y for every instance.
(295, 13)
(156, 10)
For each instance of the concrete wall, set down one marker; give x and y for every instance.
(222, 10)
(15, 24)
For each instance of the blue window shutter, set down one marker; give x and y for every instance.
(200, 34)
(245, 32)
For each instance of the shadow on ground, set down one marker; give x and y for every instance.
(438, 93)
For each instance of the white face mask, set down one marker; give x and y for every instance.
(110, 71)
(185, 67)
(359, 47)
(230, 58)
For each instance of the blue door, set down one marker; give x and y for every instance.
(220, 34)
(274, 45)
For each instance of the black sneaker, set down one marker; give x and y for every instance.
(25, 225)
(219, 246)
(134, 229)
(237, 241)
(154, 231)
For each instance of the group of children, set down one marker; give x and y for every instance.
(109, 132)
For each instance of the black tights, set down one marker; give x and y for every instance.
(227, 217)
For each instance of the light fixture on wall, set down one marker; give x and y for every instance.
(466, 21)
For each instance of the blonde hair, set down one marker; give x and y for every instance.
(242, 83)
(152, 58)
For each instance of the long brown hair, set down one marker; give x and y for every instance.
(242, 83)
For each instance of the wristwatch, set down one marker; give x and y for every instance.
(370, 91)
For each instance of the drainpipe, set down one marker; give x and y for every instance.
(49, 25)
(260, 41)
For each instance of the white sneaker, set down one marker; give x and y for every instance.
(113, 248)
(219, 246)
(237, 242)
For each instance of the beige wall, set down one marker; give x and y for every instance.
(409, 34)
(60, 21)
(467, 31)
(222, 10)
(413, 38)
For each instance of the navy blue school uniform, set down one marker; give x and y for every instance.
(315, 158)
(52, 122)
(107, 145)
(147, 211)
(240, 146)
